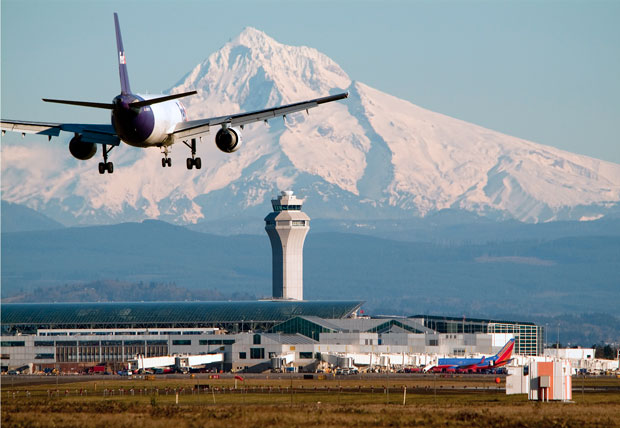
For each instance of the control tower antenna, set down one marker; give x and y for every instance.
(287, 227)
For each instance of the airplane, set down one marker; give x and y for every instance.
(152, 121)
(472, 365)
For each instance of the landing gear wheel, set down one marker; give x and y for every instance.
(193, 161)
(163, 162)
(105, 165)
(169, 162)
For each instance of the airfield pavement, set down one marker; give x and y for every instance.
(285, 400)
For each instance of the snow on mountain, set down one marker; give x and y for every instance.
(370, 156)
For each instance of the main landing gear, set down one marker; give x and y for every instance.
(166, 161)
(193, 161)
(105, 165)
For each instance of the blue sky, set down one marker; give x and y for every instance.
(546, 71)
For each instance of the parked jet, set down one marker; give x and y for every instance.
(474, 364)
(148, 121)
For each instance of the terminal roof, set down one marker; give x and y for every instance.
(91, 315)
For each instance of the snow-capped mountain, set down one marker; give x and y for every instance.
(370, 156)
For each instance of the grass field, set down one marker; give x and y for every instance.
(260, 402)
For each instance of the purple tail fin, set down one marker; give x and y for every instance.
(122, 66)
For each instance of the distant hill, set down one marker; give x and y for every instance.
(530, 279)
(118, 291)
(447, 226)
(547, 277)
(20, 218)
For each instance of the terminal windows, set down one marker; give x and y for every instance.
(66, 343)
(44, 357)
(242, 355)
(12, 343)
(216, 342)
(305, 355)
(181, 342)
(43, 343)
(257, 353)
(257, 339)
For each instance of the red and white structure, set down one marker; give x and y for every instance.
(550, 381)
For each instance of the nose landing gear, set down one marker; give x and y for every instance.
(166, 161)
(193, 161)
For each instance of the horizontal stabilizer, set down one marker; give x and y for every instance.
(152, 101)
(81, 103)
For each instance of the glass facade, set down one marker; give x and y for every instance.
(24, 317)
(93, 351)
(257, 353)
(381, 328)
(301, 326)
(528, 336)
(278, 207)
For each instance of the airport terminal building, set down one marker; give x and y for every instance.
(250, 336)
(286, 332)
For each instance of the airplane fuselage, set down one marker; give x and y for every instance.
(145, 126)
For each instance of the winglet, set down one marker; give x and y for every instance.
(122, 65)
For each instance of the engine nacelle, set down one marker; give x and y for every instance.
(228, 140)
(81, 150)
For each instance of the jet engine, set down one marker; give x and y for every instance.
(81, 150)
(228, 140)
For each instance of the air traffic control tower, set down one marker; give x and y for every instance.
(287, 227)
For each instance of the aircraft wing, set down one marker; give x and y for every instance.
(91, 133)
(471, 365)
(201, 126)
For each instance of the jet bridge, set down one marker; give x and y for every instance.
(177, 361)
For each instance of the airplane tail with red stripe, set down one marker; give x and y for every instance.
(504, 354)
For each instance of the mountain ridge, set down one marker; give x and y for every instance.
(372, 156)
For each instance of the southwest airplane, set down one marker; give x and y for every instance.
(148, 121)
(474, 364)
